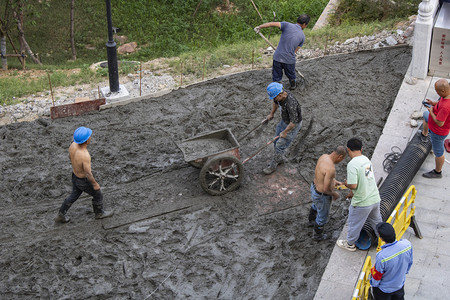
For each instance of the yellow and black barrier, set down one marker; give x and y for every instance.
(362, 287)
(403, 216)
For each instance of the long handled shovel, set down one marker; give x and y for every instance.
(265, 121)
(260, 149)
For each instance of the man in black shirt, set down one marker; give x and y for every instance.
(289, 125)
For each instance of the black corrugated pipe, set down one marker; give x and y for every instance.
(395, 185)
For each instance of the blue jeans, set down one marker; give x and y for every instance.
(320, 203)
(278, 68)
(281, 144)
(437, 141)
(80, 185)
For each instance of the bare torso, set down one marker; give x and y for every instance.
(80, 159)
(325, 173)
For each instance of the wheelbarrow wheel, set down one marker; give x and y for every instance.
(221, 174)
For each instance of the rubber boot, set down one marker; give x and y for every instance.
(318, 234)
(62, 218)
(293, 84)
(312, 217)
(271, 167)
(104, 214)
(279, 158)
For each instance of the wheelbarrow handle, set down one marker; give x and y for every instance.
(265, 121)
(260, 149)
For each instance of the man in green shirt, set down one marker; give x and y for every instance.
(365, 204)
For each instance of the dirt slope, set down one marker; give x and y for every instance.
(169, 239)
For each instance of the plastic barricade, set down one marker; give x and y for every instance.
(362, 287)
(403, 216)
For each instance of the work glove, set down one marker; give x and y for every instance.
(256, 29)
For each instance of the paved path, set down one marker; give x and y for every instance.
(431, 268)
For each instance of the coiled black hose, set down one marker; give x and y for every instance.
(395, 185)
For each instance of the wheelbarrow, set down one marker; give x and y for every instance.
(216, 153)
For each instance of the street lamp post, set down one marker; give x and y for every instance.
(112, 53)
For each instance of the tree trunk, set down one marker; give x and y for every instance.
(20, 20)
(3, 51)
(72, 30)
(23, 41)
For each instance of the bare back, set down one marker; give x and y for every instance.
(80, 159)
(325, 174)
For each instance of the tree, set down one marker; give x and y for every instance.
(3, 32)
(17, 9)
(5, 25)
(23, 42)
(72, 30)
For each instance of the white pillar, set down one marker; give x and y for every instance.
(422, 38)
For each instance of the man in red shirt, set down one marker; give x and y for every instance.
(436, 123)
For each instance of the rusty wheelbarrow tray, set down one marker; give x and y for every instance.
(217, 154)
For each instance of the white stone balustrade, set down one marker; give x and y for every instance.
(422, 38)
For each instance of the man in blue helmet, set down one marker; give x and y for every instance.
(82, 178)
(291, 40)
(289, 125)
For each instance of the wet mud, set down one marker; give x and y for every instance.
(169, 239)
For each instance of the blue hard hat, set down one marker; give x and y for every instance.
(81, 135)
(274, 89)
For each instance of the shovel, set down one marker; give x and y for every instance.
(267, 41)
(265, 121)
(261, 149)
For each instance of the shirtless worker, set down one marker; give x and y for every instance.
(323, 190)
(82, 178)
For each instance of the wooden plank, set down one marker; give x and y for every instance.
(75, 109)
(15, 55)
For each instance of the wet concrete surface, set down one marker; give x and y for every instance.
(168, 238)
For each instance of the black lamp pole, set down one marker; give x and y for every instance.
(112, 53)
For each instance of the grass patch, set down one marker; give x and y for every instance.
(19, 83)
(13, 87)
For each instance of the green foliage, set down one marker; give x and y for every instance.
(363, 11)
(161, 28)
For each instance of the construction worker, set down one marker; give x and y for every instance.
(323, 190)
(291, 40)
(82, 178)
(289, 125)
